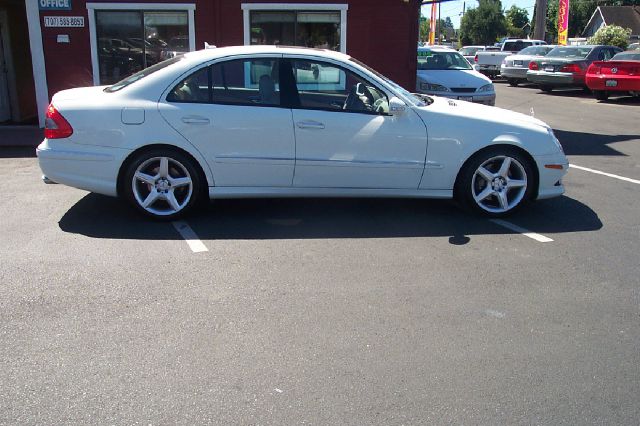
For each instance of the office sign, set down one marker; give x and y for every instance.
(54, 4)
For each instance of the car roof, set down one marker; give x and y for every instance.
(436, 49)
(221, 52)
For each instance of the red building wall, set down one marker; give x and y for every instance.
(382, 34)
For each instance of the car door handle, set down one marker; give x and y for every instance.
(310, 124)
(195, 120)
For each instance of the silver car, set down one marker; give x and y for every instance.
(514, 68)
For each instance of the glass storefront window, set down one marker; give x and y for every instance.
(296, 28)
(129, 41)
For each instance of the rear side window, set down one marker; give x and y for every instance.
(194, 89)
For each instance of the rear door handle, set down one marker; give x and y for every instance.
(192, 119)
(310, 124)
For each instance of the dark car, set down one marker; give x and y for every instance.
(566, 66)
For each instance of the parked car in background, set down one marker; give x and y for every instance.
(469, 52)
(566, 66)
(251, 121)
(488, 63)
(620, 75)
(514, 67)
(634, 46)
(445, 72)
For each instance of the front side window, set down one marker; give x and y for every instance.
(132, 40)
(328, 87)
(318, 29)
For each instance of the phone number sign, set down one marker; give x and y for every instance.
(64, 21)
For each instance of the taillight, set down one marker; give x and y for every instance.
(55, 125)
(594, 69)
(533, 66)
(571, 68)
(475, 58)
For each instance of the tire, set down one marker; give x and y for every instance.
(546, 88)
(496, 191)
(585, 89)
(163, 194)
(601, 95)
(512, 82)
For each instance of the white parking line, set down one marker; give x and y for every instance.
(190, 237)
(598, 172)
(520, 230)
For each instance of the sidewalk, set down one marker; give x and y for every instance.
(23, 136)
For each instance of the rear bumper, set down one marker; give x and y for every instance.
(623, 83)
(85, 167)
(554, 78)
(514, 72)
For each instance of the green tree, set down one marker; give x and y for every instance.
(612, 35)
(517, 16)
(424, 29)
(483, 24)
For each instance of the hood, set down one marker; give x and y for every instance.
(454, 78)
(79, 93)
(487, 114)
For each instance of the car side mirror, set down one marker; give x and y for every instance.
(397, 106)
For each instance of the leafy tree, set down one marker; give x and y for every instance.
(612, 35)
(424, 29)
(447, 23)
(483, 24)
(517, 16)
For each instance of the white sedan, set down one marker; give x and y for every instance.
(445, 72)
(265, 121)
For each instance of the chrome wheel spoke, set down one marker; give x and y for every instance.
(178, 182)
(484, 194)
(486, 174)
(151, 198)
(164, 167)
(171, 199)
(502, 199)
(516, 183)
(504, 168)
(148, 179)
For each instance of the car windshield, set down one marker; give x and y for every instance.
(627, 56)
(142, 74)
(430, 60)
(535, 50)
(570, 52)
(418, 101)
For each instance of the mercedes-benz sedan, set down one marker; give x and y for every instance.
(514, 68)
(265, 121)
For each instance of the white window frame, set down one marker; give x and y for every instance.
(247, 8)
(37, 59)
(92, 7)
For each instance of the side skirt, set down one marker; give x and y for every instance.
(271, 192)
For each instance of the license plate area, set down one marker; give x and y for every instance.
(611, 83)
(517, 63)
(548, 69)
(466, 98)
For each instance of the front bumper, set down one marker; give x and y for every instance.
(550, 179)
(486, 98)
(87, 167)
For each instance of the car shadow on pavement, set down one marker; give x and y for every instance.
(17, 151)
(633, 101)
(98, 216)
(579, 143)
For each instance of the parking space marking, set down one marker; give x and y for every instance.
(523, 231)
(190, 236)
(598, 172)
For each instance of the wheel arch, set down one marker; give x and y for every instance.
(149, 147)
(513, 146)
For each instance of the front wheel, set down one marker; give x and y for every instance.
(496, 182)
(163, 183)
(546, 88)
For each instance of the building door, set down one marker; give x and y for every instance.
(5, 109)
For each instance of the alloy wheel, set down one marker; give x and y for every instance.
(162, 186)
(499, 184)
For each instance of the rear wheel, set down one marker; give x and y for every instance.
(496, 182)
(601, 95)
(546, 88)
(163, 183)
(512, 82)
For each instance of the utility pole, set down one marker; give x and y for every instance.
(541, 20)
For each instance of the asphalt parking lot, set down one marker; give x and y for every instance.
(332, 311)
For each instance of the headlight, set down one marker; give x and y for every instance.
(433, 87)
(555, 139)
(486, 88)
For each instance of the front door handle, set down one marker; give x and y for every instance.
(193, 119)
(310, 124)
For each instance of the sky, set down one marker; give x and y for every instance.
(453, 9)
